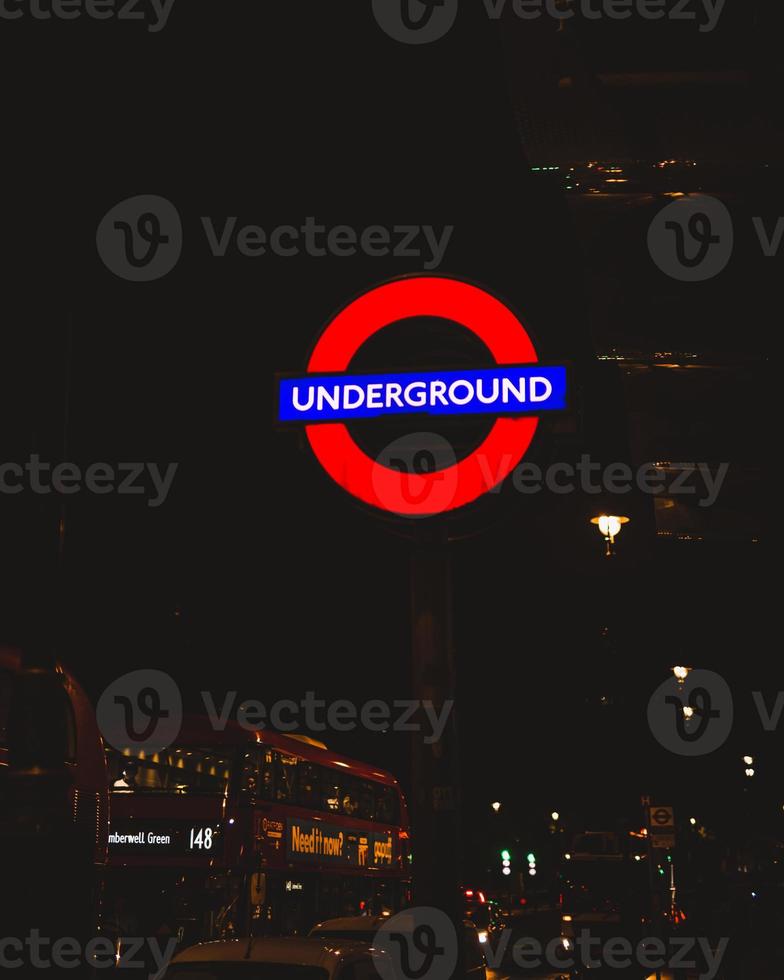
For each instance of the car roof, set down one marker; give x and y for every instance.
(353, 923)
(292, 950)
(371, 923)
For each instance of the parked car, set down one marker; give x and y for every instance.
(364, 928)
(290, 958)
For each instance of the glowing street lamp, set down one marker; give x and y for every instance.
(609, 526)
(681, 673)
(748, 760)
(556, 816)
(496, 806)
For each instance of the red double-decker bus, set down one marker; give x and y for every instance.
(235, 832)
(54, 801)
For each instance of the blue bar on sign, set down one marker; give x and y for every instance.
(524, 390)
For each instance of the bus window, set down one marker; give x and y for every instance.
(309, 789)
(331, 793)
(176, 770)
(387, 810)
(5, 705)
(267, 776)
(285, 778)
(249, 777)
(349, 797)
(367, 803)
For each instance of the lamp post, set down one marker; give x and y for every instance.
(609, 527)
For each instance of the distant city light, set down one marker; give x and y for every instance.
(555, 815)
(496, 806)
(681, 672)
(568, 857)
(749, 773)
(693, 821)
(688, 711)
(749, 760)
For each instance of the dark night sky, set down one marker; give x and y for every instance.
(273, 114)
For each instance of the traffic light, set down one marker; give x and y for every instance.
(531, 863)
(506, 862)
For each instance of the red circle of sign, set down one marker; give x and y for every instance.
(491, 462)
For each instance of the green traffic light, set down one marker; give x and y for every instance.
(531, 857)
(505, 855)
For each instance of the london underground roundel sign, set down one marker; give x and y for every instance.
(515, 392)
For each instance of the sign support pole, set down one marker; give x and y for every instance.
(437, 853)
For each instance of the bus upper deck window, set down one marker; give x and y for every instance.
(267, 776)
(309, 789)
(387, 810)
(286, 778)
(350, 796)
